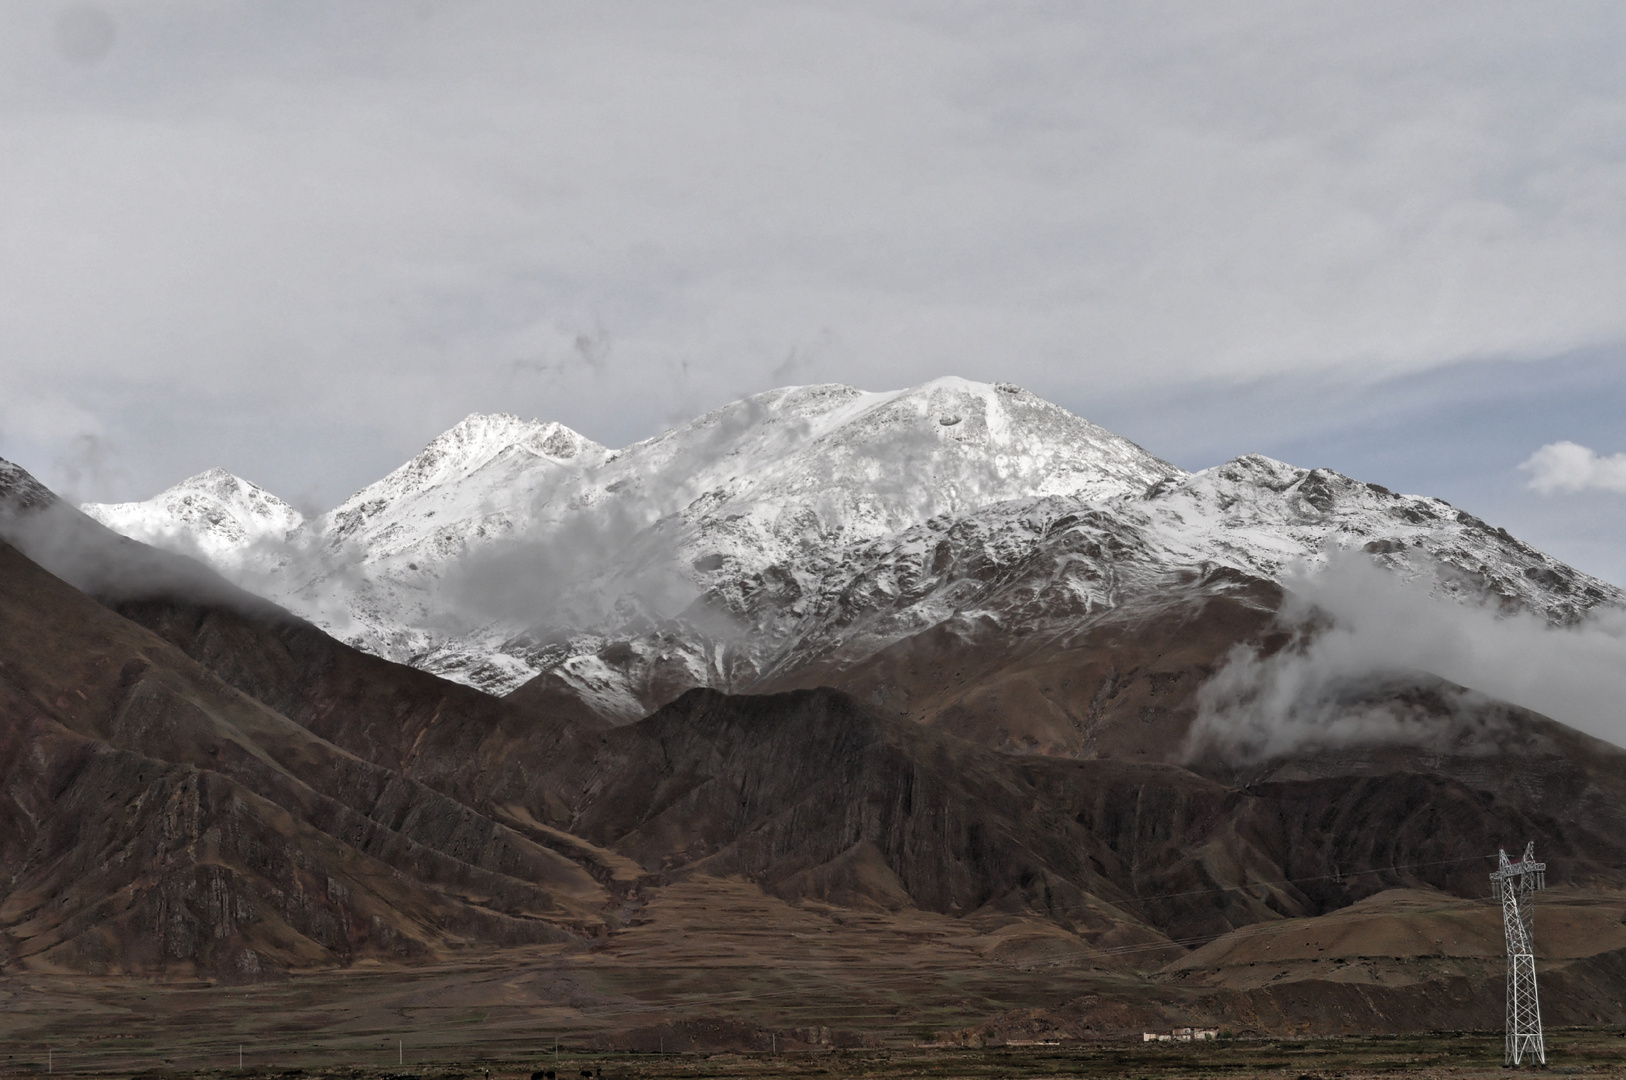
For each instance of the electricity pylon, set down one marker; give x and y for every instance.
(1516, 883)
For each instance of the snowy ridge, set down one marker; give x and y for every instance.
(1261, 516)
(1058, 562)
(1052, 565)
(804, 526)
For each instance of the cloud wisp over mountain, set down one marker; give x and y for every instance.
(1355, 626)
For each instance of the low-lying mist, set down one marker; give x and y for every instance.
(1359, 631)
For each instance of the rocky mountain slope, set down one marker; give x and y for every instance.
(794, 537)
(411, 817)
(159, 819)
(194, 781)
(156, 819)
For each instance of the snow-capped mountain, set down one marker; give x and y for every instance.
(214, 515)
(748, 510)
(807, 525)
(501, 526)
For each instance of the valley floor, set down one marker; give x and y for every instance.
(714, 978)
(1458, 1056)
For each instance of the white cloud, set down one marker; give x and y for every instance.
(1570, 467)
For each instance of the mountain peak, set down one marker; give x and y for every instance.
(483, 461)
(1014, 442)
(474, 442)
(479, 432)
(218, 482)
(216, 512)
(985, 441)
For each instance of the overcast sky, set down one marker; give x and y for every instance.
(298, 240)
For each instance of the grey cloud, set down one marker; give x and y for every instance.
(1366, 655)
(368, 217)
(84, 34)
(87, 468)
(98, 561)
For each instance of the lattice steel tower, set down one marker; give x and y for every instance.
(1516, 883)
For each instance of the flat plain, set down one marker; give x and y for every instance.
(714, 978)
(1589, 1052)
